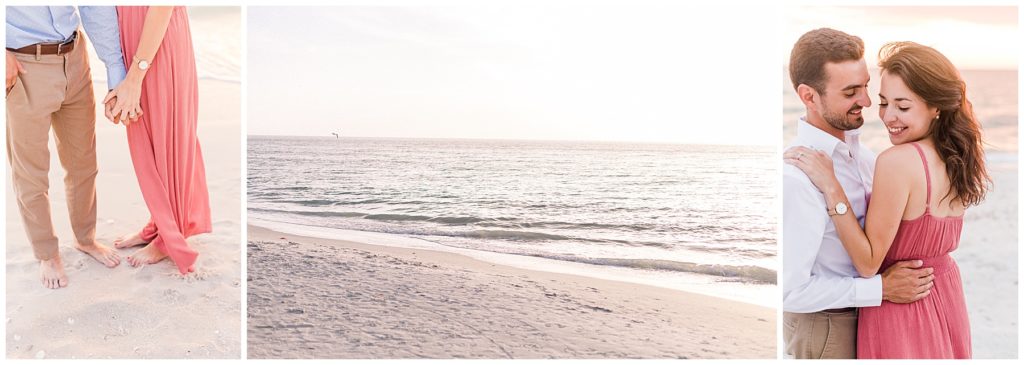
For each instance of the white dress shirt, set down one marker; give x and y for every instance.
(817, 273)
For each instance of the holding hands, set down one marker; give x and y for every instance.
(108, 106)
(122, 103)
(119, 117)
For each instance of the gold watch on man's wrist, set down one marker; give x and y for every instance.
(839, 209)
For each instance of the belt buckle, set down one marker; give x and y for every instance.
(69, 42)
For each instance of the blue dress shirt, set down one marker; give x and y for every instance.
(27, 25)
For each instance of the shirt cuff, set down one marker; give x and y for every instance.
(867, 292)
(115, 74)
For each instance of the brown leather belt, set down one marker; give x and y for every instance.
(840, 310)
(48, 48)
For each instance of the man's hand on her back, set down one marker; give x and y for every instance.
(906, 282)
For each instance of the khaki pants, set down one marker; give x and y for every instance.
(56, 91)
(820, 335)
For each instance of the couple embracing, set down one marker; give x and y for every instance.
(153, 92)
(866, 239)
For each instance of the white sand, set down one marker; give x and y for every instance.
(149, 312)
(320, 298)
(987, 257)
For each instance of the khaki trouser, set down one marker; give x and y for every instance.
(820, 335)
(56, 91)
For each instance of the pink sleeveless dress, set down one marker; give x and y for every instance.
(936, 326)
(163, 144)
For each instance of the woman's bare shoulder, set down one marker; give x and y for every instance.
(897, 159)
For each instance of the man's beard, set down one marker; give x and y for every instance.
(840, 121)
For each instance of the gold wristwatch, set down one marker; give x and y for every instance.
(840, 209)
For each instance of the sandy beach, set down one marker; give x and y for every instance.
(125, 312)
(321, 298)
(987, 257)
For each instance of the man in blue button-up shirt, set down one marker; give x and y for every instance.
(27, 25)
(49, 85)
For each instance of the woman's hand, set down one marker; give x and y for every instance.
(816, 165)
(128, 93)
(126, 105)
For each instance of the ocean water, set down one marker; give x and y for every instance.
(646, 209)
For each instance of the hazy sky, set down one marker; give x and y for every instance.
(975, 37)
(658, 71)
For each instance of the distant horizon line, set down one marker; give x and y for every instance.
(766, 144)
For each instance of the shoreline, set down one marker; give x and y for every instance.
(718, 286)
(502, 311)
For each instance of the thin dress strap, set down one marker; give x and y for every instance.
(927, 178)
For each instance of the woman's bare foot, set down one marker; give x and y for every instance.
(53, 273)
(129, 241)
(101, 253)
(146, 256)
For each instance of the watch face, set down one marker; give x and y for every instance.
(841, 208)
(143, 65)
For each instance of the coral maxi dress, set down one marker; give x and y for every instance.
(936, 326)
(164, 147)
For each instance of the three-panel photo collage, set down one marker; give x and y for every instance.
(506, 179)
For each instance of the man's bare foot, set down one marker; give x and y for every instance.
(101, 253)
(53, 273)
(129, 241)
(146, 256)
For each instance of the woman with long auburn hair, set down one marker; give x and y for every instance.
(922, 187)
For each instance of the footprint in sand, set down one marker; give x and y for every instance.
(202, 273)
(173, 296)
(143, 276)
(79, 264)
